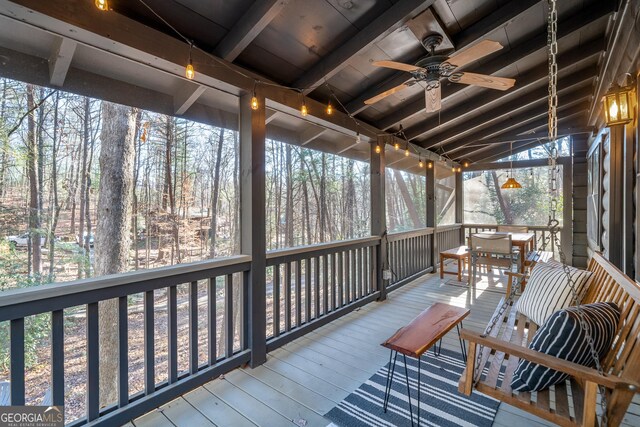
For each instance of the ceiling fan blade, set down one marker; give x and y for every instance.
(396, 65)
(491, 82)
(484, 48)
(432, 99)
(386, 93)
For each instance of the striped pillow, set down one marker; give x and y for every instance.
(562, 336)
(548, 290)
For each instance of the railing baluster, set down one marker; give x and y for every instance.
(325, 285)
(374, 268)
(228, 314)
(17, 362)
(361, 276)
(57, 357)
(354, 275)
(172, 339)
(193, 327)
(93, 362)
(123, 353)
(340, 279)
(228, 291)
(149, 350)
(298, 293)
(287, 296)
(276, 300)
(334, 281)
(307, 290)
(212, 323)
(316, 287)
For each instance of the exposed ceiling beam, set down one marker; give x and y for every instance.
(187, 96)
(533, 77)
(516, 137)
(580, 78)
(311, 133)
(259, 15)
(60, 60)
(539, 127)
(568, 101)
(271, 115)
(518, 148)
(566, 28)
(387, 22)
(465, 38)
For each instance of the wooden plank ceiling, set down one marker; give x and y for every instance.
(328, 46)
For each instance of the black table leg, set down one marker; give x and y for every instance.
(463, 347)
(406, 375)
(390, 372)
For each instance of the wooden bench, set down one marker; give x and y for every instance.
(508, 343)
(461, 254)
(422, 333)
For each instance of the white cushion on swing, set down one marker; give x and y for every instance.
(548, 290)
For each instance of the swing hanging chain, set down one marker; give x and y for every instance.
(554, 190)
(554, 223)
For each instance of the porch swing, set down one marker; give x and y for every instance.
(508, 340)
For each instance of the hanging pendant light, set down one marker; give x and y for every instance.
(511, 181)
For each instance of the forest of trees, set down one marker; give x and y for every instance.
(89, 188)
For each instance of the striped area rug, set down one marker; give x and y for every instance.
(440, 402)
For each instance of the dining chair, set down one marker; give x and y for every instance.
(491, 250)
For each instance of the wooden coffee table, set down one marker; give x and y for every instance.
(417, 337)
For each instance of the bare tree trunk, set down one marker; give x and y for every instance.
(323, 198)
(4, 138)
(112, 233)
(505, 207)
(408, 201)
(136, 174)
(216, 195)
(288, 210)
(34, 212)
(54, 184)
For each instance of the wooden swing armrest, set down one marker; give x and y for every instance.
(513, 275)
(570, 368)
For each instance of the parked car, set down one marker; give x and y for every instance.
(19, 240)
(22, 240)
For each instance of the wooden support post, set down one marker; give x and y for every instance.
(616, 195)
(628, 214)
(378, 213)
(252, 221)
(566, 235)
(431, 214)
(460, 205)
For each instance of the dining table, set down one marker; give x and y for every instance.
(525, 242)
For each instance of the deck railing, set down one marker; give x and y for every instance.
(312, 285)
(208, 304)
(409, 255)
(542, 234)
(159, 287)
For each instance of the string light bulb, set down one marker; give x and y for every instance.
(459, 169)
(396, 145)
(466, 164)
(453, 169)
(254, 102)
(378, 149)
(406, 151)
(102, 5)
(421, 163)
(430, 165)
(303, 110)
(329, 109)
(189, 72)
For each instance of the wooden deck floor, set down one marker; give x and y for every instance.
(306, 378)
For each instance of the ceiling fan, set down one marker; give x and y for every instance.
(431, 68)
